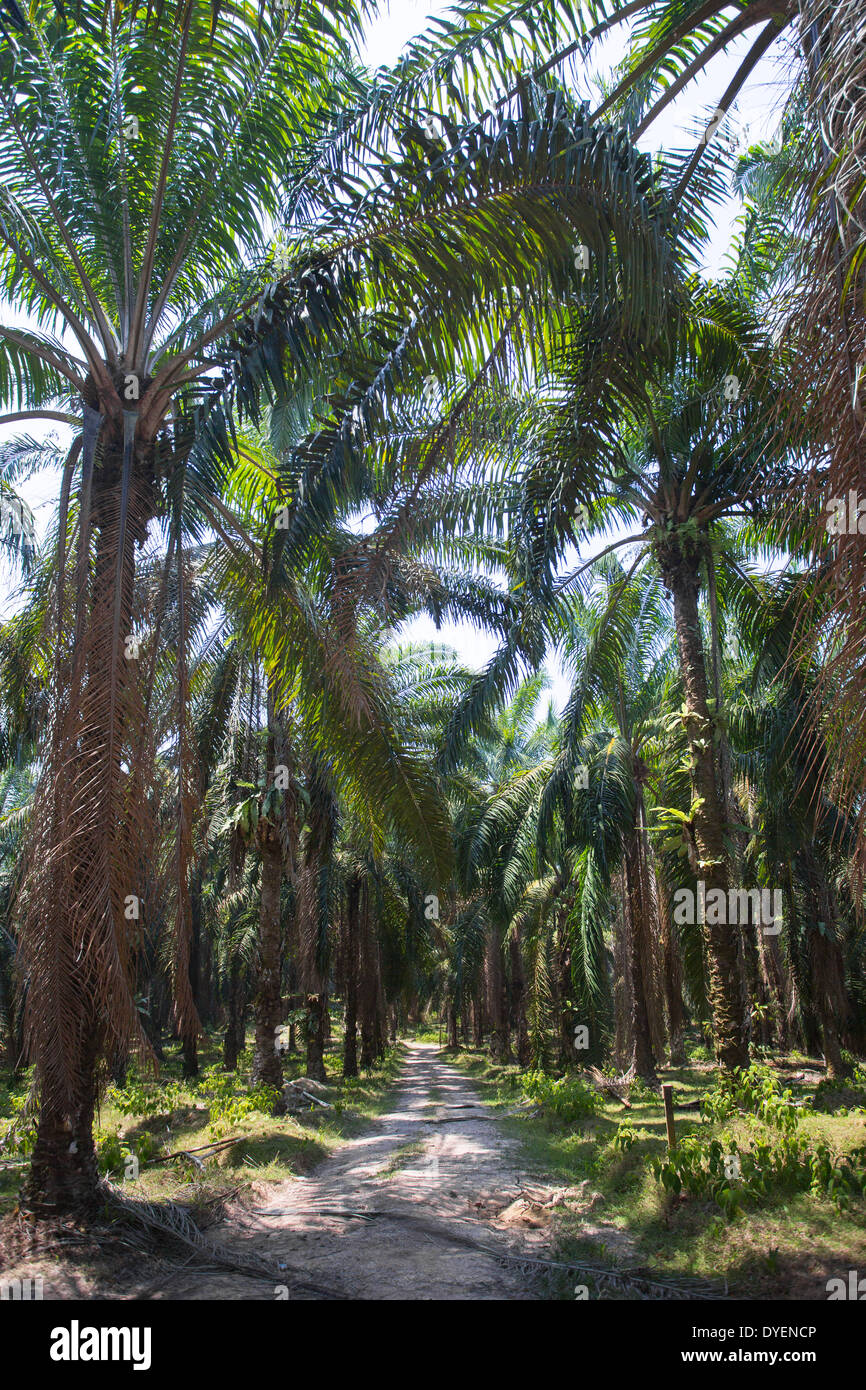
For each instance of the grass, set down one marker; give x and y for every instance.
(400, 1158)
(786, 1244)
(154, 1117)
(426, 1033)
(783, 1245)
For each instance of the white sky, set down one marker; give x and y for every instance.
(758, 108)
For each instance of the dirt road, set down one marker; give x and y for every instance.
(396, 1213)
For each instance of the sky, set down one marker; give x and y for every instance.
(758, 111)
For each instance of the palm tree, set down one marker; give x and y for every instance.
(784, 740)
(325, 761)
(529, 922)
(679, 436)
(395, 896)
(813, 273)
(113, 235)
(143, 158)
(513, 745)
(618, 645)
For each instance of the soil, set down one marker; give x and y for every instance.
(428, 1203)
(397, 1213)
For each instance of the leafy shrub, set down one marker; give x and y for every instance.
(110, 1155)
(756, 1091)
(146, 1098)
(20, 1137)
(568, 1098)
(841, 1097)
(722, 1171)
(113, 1152)
(227, 1100)
(838, 1175)
(625, 1138)
(227, 1106)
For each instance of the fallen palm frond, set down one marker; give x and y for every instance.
(626, 1280)
(634, 1280)
(201, 1148)
(617, 1087)
(173, 1222)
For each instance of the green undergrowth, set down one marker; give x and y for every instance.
(150, 1117)
(763, 1195)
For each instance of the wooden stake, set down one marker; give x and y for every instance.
(668, 1093)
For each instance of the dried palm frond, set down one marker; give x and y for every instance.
(826, 336)
(86, 888)
(617, 1087)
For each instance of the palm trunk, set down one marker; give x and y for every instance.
(63, 1173)
(478, 1020)
(190, 1040)
(777, 988)
(800, 967)
(518, 1001)
(622, 992)
(350, 1041)
(500, 1041)
(721, 940)
(565, 1014)
(368, 987)
(267, 1062)
(91, 836)
(7, 1002)
(828, 967)
(638, 962)
(312, 941)
(673, 975)
(315, 1065)
(368, 1039)
(233, 1041)
(381, 1007)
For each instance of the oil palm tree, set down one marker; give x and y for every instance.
(336, 745)
(499, 858)
(814, 194)
(144, 159)
(784, 735)
(131, 268)
(618, 645)
(680, 437)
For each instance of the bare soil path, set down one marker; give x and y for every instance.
(397, 1213)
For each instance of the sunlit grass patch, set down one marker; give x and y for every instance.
(780, 1242)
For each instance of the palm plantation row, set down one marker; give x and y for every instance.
(338, 349)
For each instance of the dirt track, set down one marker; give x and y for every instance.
(393, 1214)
